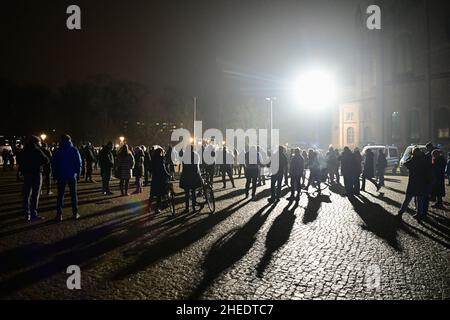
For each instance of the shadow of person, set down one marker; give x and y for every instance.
(230, 248)
(338, 189)
(150, 254)
(313, 207)
(278, 235)
(379, 221)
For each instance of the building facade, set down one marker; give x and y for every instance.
(399, 93)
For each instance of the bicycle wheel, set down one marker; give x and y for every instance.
(208, 194)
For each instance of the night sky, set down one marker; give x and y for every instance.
(189, 45)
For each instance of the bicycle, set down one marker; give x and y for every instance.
(168, 200)
(207, 193)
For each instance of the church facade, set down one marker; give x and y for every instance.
(399, 87)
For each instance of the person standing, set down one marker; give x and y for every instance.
(170, 162)
(125, 165)
(418, 182)
(5, 158)
(226, 167)
(296, 171)
(47, 169)
(314, 170)
(447, 168)
(262, 165)
(210, 162)
(358, 170)
(66, 167)
(106, 163)
(429, 158)
(348, 170)
(19, 152)
(369, 170)
(286, 170)
(160, 179)
(332, 163)
(90, 161)
(190, 176)
(438, 186)
(147, 165)
(138, 170)
(32, 160)
(251, 171)
(278, 163)
(82, 151)
(306, 160)
(336, 173)
(381, 167)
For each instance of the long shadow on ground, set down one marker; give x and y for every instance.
(230, 248)
(379, 221)
(278, 235)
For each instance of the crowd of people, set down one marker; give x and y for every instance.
(68, 165)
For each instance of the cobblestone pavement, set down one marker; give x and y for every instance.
(322, 247)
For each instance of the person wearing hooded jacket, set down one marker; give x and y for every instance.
(33, 159)
(66, 168)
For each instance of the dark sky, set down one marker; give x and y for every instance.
(183, 44)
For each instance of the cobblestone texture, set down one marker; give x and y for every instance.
(323, 247)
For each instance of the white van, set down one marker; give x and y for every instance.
(407, 154)
(391, 153)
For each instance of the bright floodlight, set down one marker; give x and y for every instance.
(315, 89)
(43, 137)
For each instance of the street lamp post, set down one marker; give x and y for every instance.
(271, 99)
(195, 114)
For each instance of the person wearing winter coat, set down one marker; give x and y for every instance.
(369, 170)
(190, 176)
(314, 170)
(90, 158)
(147, 164)
(138, 170)
(251, 170)
(332, 164)
(438, 186)
(447, 169)
(47, 169)
(226, 166)
(33, 159)
(169, 160)
(125, 165)
(358, 170)
(66, 168)
(106, 163)
(381, 167)
(296, 171)
(348, 170)
(420, 175)
(160, 178)
(278, 164)
(209, 154)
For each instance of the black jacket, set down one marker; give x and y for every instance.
(420, 176)
(106, 158)
(33, 159)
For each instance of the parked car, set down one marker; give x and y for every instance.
(2, 147)
(391, 153)
(407, 154)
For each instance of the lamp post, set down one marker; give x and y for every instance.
(271, 100)
(195, 113)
